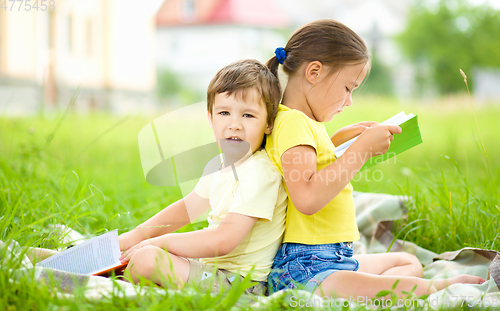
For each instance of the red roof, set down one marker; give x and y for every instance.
(263, 13)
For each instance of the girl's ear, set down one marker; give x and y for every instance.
(269, 129)
(209, 115)
(313, 71)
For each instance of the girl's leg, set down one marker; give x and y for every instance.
(158, 266)
(350, 284)
(400, 263)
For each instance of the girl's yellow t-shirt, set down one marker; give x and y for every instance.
(336, 222)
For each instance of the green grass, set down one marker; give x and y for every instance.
(85, 172)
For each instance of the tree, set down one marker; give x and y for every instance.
(171, 90)
(451, 35)
(380, 80)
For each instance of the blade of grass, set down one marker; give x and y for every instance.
(492, 180)
(71, 103)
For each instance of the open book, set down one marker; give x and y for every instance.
(97, 256)
(409, 138)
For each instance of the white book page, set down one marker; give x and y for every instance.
(342, 148)
(394, 120)
(97, 254)
(398, 119)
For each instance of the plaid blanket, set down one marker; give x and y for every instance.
(375, 216)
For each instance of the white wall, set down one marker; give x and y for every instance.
(196, 53)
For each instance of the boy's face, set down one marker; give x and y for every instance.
(239, 124)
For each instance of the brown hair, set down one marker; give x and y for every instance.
(327, 41)
(243, 75)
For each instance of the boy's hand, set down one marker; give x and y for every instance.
(128, 239)
(348, 132)
(376, 140)
(127, 254)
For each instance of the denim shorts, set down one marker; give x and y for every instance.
(305, 266)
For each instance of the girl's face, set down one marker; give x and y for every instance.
(333, 91)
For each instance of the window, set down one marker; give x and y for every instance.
(70, 34)
(51, 37)
(188, 10)
(89, 37)
(2, 43)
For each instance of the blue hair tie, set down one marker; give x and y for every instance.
(280, 55)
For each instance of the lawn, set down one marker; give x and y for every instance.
(85, 172)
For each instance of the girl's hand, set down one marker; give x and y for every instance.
(127, 254)
(376, 140)
(351, 131)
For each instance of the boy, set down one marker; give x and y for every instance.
(245, 193)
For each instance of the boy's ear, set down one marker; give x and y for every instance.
(269, 129)
(313, 71)
(209, 115)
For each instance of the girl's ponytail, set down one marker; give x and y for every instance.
(273, 65)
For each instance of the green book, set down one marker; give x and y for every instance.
(409, 138)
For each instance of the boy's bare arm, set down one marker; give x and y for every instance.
(171, 218)
(203, 243)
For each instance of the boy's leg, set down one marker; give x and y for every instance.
(158, 266)
(36, 254)
(400, 263)
(350, 284)
(207, 277)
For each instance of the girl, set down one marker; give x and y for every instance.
(325, 61)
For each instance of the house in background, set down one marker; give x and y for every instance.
(197, 38)
(112, 50)
(103, 47)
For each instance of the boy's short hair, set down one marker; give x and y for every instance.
(240, 76)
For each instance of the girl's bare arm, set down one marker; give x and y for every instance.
(350, 131)
(311, 190)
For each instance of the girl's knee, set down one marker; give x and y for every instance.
(414, 265)
(407, 258)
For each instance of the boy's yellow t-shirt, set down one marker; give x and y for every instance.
(336, 222)
(253, 189)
